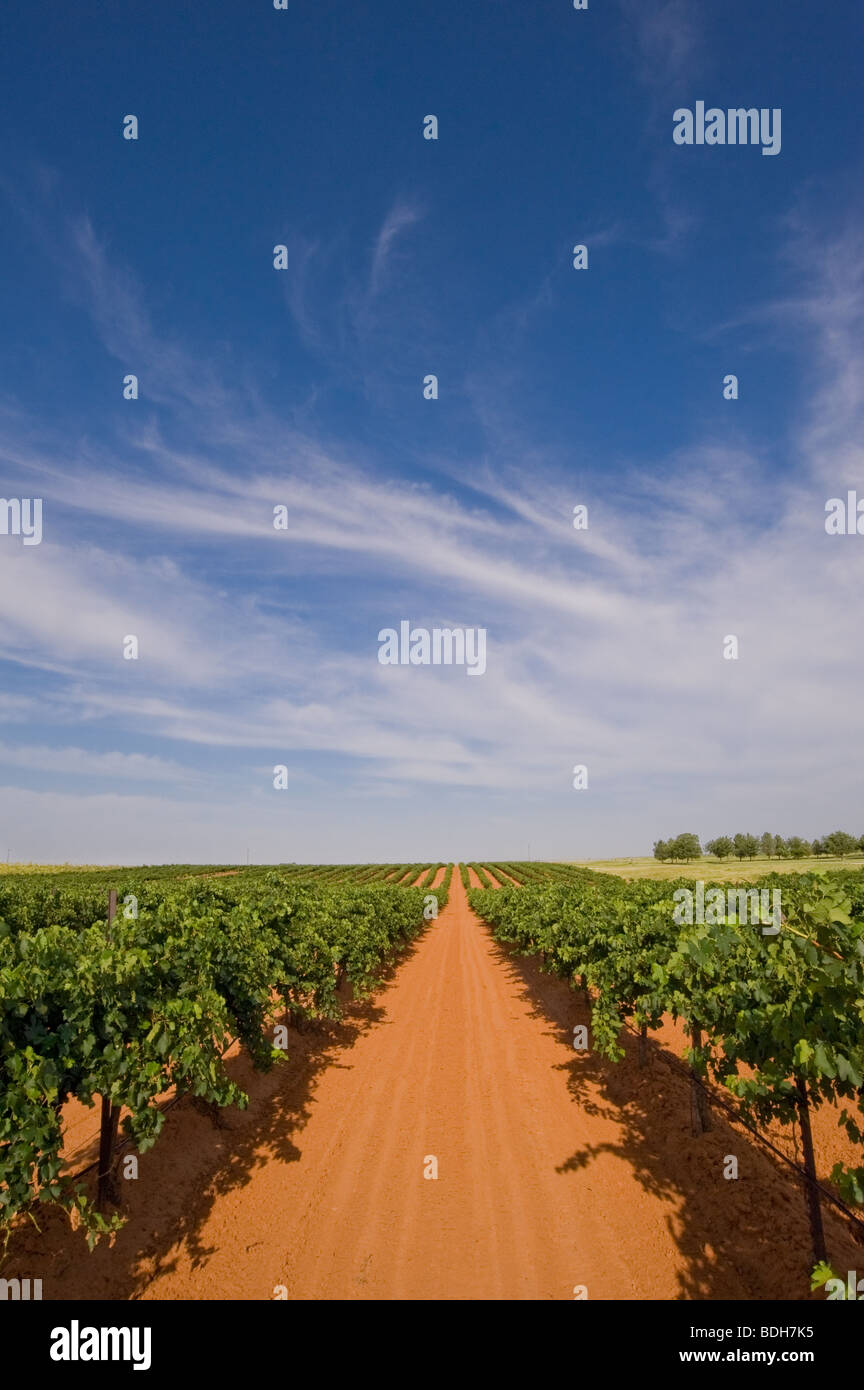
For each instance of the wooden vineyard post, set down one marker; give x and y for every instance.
(817, 1233)
(110, 1115)
(699, 1111)
(643, 1044)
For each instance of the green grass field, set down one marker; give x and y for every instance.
(718, 870)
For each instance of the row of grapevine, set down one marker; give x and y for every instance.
(537, 872)
(430, 877)
(481, 874)
(775, 1019)
(124, 1010)
(405, 874)
(131, 880)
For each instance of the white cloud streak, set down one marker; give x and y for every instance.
(604, 646)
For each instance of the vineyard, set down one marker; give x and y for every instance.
(776, 1020)
(127, 992)
(124, 993)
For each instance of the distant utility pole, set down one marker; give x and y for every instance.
(529, 851)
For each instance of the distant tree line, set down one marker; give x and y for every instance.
(685, 847)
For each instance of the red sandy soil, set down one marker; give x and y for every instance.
(555, 1169)
(831, 1143)
(472, 879)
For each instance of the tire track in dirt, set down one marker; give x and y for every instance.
(525, 1159)
(361, 1198)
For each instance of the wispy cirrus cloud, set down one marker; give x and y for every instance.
(338, 313)
(604, 646)
(401, 216)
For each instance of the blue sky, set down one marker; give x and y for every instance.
(303, 387)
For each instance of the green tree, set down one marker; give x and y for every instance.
(838, 842)
(746, 846)
(818, 848)
(798, 848)
(766, 844)
(661, 851)
(686, 847)
(722, 847)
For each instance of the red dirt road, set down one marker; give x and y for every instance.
(554, 1169)
(460, 1069)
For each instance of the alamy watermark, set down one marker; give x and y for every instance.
(77, 1343)
(442, 646)
(21, 516)
(20, 1290)
(756, 906)
(852, 1290)
(845, 516)
(735, 126)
